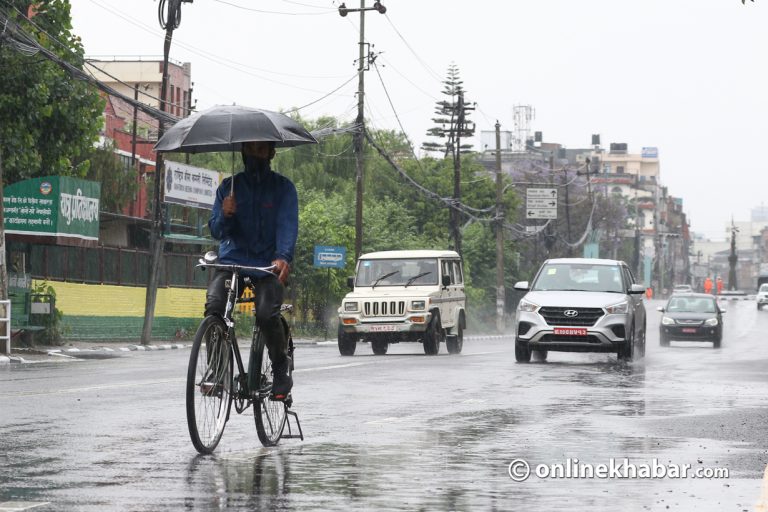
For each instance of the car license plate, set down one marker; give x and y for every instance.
(690, 330)
(383, 328)
(570, 331)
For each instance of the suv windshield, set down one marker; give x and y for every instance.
(579, 277)
(764, 288)
(399, 272)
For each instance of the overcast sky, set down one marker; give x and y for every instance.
(686, 76)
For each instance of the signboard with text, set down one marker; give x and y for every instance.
(190, 186)
(541, 203)
(330, 256)
(53, 209)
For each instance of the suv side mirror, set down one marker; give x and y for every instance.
(660, 308)
(351, 283)
(637, 289)
(522, 286)
(446, 280)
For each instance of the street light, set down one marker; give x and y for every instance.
(377, 6)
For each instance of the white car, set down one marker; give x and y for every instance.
(405, 296)
(762, 296)
(682, 288)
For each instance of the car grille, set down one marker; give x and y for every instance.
(554, 338)
(585, 317)
(384, 308)
(689, 322)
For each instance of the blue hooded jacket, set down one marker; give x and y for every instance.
(266, 223)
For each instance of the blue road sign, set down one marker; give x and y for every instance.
(330, 257)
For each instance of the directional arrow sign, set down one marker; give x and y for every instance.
(543, 193)
(541, 213)
(540, 202)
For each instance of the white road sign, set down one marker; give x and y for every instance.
(543, 193)
(541, 213)
(540, 202)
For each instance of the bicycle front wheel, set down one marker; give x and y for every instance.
(270, 414)
(209, 384)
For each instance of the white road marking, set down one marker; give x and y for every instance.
(17, 506)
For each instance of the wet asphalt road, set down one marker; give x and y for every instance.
(403, 431)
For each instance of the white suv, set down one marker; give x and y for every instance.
(762, 296)
(405, 296)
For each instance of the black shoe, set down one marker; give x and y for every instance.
(282, 382)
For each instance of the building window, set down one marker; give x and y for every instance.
(620, 169)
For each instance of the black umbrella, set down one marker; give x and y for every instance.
(226, 127)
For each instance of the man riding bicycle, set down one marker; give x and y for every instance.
(257, 223)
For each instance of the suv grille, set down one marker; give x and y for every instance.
(384, 308)
(584, 317)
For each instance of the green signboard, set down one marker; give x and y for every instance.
(53, 209)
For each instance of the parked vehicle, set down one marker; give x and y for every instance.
(691, 317)
(581, 305)
(682, 288)
(762, 296)
(405, 296)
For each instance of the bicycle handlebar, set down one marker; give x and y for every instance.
(236, 268)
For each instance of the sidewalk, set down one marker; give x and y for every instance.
(73, 350)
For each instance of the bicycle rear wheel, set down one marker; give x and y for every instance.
(209, 384)
(270, 415)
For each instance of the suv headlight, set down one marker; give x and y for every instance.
(351, 307)
(711, 322)
(418, 305)
(527, 306)
(665, 320)
(618, 309)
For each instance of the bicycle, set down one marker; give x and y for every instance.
(212, 388)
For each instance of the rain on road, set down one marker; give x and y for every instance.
(401, 431)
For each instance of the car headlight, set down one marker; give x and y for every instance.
(527, 306)
(618, 309)
(665, 320)
(350, 307)
(711, 322)
(418, 305)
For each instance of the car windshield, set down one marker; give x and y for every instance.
(691, 305)
(397, 272)
(579, 277)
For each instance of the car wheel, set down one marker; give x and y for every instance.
(717, 341)
(539, 355)
(455, 342)
(379, 347)
(432, 336)
(347, 343)
(522, 352)
(759, 307)
(641, 346)
(626, 352)
(663, 340)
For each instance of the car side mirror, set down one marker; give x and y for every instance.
(637, 289)
(446, 280)
(661, 308)
(522, 286)
(351, 283)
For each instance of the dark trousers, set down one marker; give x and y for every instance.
(268, 292)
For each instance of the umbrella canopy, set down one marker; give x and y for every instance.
(226, 127)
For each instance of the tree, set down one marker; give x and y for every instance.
(49, 121)
(118, 181)
(448, 123)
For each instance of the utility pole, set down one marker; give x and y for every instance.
(455, 216)
(360, 120)
(569, 249)
(500, 292)
(733, 258)
(169, 22)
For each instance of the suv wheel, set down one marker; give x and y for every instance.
(433, 336)
(539, 355)
(347, 343)
(522, 352)
(627, 350)
(455, 342)
(379, 347)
